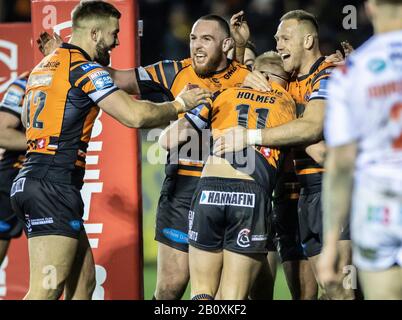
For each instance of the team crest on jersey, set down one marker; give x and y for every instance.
(237, 199)
(101, 80)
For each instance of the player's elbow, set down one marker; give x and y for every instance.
(134, 120)
(137, 122)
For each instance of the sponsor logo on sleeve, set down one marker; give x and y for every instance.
(89, 66)
(237, 199)
(13, 97)
(101, 80)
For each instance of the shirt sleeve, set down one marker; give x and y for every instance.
(200, 117)
(319, 84)
(96, 83)
(13, 97)
(341, 124)
(158, 77)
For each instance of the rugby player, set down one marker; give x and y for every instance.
(12, 139)
(363, 133)
(207, 68)
(64, 94)
(297, 42)
(228, 238)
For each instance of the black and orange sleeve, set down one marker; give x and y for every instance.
(94, 81)
(158, 78)
(319, 84)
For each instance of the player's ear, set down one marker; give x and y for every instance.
(308, 41)
(227, 44)
(95, 34)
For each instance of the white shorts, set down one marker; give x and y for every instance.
(376, 229)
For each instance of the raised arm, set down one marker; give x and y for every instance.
(146, 114)
(125, 80)
(306, 130)
(240, 33)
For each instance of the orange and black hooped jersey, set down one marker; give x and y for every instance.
(303, 89)
(12, 103)
(61, 105)
(170, 77)
(254, 110)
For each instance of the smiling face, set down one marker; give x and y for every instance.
(290, 44)
(208, 45)
(108, 40)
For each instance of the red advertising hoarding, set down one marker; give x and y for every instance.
(112, 190)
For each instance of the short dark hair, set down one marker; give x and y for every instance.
(93, 10)
(301, 15)
(223, 24)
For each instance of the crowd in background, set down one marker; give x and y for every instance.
(167, 23)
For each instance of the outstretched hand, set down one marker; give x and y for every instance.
(231, 140)
(193, 97)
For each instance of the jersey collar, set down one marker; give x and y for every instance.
(71, 46)
(218, 72)
(313, 68)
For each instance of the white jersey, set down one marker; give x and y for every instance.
(365, 106)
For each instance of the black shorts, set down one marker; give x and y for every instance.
(229, 214)
(311, 226)
(172, 222)
(10, 225)
(285, 225)
(48, 208)
(172, 213)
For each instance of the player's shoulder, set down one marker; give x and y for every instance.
(240, 65)
(186, 62)
(176, 65)
(322, 68)
(281, 92)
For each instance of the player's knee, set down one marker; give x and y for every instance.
(91, 281)
(42, 293)
(171, 291)
(172, 287)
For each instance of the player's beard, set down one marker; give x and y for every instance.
(102, 53)
(211, 66)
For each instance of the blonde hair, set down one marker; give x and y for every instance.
(269, 57)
